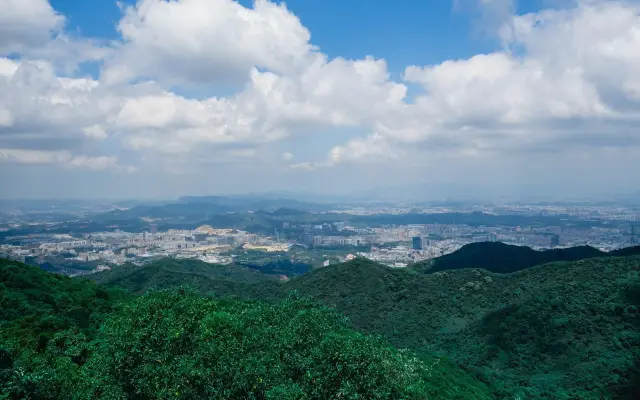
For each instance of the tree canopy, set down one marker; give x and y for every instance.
(179, 344)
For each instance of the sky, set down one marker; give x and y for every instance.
(435, 98)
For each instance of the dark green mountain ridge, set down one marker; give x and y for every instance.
(504, 258)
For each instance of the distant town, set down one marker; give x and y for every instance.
(320, 244)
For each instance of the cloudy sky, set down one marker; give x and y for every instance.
(158, 98)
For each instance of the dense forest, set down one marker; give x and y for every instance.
(65, 338)
(564, 330)
(223, 280)
(505, 258)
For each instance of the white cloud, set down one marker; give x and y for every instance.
(94, 163)
(22, 156)
(502, 89)
(62, 158)
(207, 41)
(374, 148)
(565, 77)
(95, 131)
(26, 24)
(41, 105)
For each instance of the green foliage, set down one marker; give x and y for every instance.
(557, 331)
(565, 330)
(223, 280)
(179, 344)
(34, 305)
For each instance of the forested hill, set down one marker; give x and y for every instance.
(222, 280)
(64, 338)
(504, 258)
(565, 330)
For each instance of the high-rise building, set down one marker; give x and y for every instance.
(308, 238)
(417, 242)
(555, 240)
(153, 228)
(493, 237)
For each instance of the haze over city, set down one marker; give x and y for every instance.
(432, 98)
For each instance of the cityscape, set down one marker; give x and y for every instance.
(605, 228)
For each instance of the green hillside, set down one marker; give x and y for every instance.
(181, 345)
(34, 305)
(556, 331)
(223, 280)
(564, 330)
(504, 258)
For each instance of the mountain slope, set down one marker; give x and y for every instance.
(563, 330)
(178, 344)
(504, 258)
(627, 251)
(35, 304)
(223, 280)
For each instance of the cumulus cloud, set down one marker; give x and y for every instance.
(200, 41)
(27, 24)
(563, 77)
(556, 81)
(32, 28)
(37, 104)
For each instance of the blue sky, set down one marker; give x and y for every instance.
(413, 33)
(487, 97)
(351, 29)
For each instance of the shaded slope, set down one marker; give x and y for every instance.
(504, 258)
(564, 330)
(223, 280)
(627, 251)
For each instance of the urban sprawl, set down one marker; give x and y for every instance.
(393, 245)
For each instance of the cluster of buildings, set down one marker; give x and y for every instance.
(586, 212)
(205, 243)
(394, 245)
